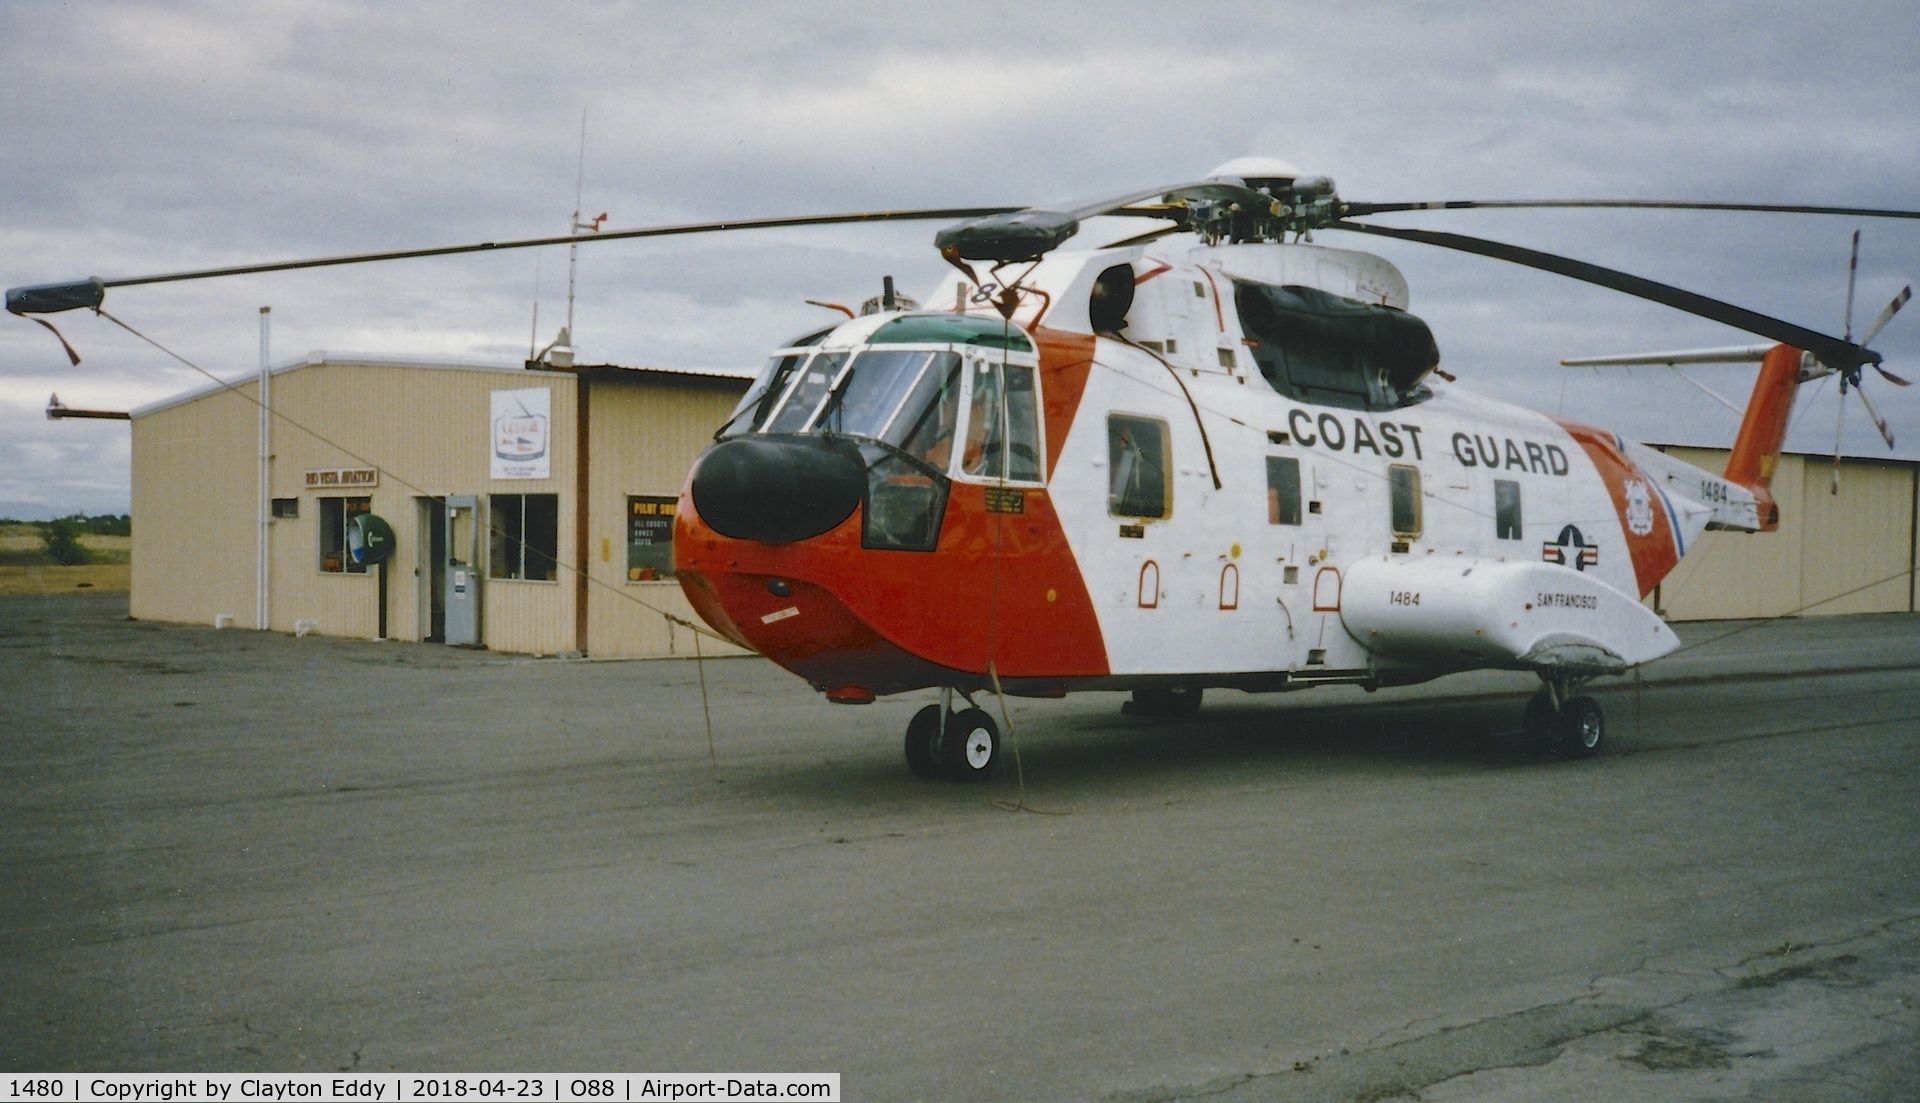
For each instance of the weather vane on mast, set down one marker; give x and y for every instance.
(560, 353)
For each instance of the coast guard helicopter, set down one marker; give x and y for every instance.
(1233, 464)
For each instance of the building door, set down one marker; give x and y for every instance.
(457, 543)
(430, 523)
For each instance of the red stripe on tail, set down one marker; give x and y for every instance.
(1757, 448)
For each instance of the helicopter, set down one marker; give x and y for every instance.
(1227, 461)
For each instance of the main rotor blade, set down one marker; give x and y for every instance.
(32, 306)
(1357, 209)
(1831, 351)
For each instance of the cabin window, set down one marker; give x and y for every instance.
(1283, 490)
(334, 513)
(1138, 459)
(1003, 423)
(1403, 483)
(524, 537)
(1506, 509)
(650, 538)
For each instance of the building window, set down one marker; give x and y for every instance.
(1506, 509)
(1138, 458)
(1283, 490)
(650, 538)
(286, 507)
(334, 513)
(524, 536)
(1404, 484)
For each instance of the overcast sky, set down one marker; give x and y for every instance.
(148, 137)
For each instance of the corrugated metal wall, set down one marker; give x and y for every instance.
(645, 439)
(1847, 553)
(427, 429)
(194, 480)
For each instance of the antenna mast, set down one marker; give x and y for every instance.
(573, 250)
(592, 226)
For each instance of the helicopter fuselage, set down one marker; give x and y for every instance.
(1135, 480)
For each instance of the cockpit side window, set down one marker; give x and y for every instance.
(1023, 423)
(1003, 423)
(985, 453)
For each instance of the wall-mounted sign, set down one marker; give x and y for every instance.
(520, 435)
(342, 478)
(650, 538)
(369, 539)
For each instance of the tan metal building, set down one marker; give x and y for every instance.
(531, 510)
(1851, 552)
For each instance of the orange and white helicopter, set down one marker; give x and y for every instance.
(1230, 464)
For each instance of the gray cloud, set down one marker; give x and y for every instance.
(149, 136)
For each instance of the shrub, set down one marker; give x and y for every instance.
(62, 542)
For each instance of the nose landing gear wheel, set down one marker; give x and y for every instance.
(970, 751)
(972, 747)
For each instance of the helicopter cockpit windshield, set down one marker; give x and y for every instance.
(926, 398)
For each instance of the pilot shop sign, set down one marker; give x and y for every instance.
(522, 433)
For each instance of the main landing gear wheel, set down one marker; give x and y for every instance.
(971, 751)
(1169, 701)
(1538, 719)
(1581, 728)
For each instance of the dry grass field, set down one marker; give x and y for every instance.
(26, 569)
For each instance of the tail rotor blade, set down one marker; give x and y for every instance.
(1839, 430)
(1886, 315)
(1853, 271)
(1879, 422)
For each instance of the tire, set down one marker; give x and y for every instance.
(923, 737)
(1580, 731)
(972, 748)
(1540, 714)
(1168, 701)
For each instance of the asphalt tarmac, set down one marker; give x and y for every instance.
(233, 851)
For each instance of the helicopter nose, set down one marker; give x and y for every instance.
(777, 489)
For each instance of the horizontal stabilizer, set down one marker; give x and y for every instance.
(1488, 613)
